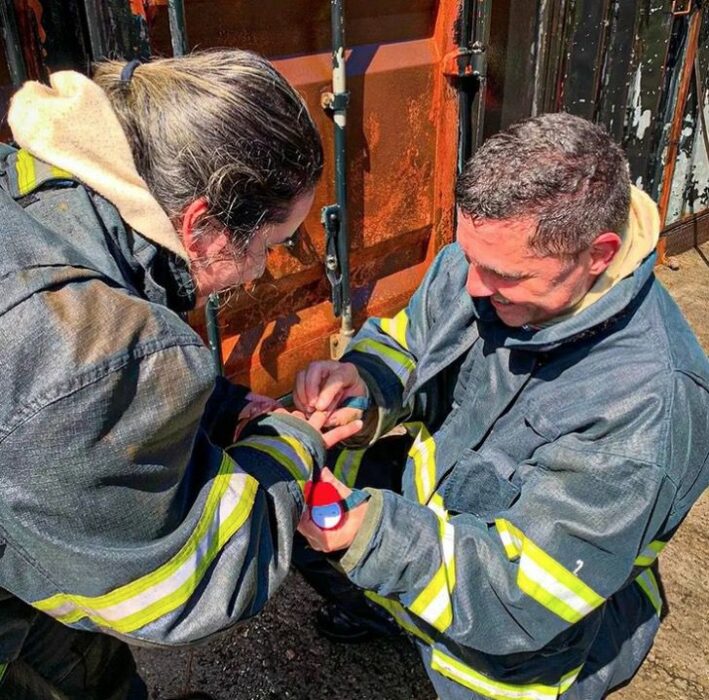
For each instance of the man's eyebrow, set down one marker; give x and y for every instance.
(499, 273)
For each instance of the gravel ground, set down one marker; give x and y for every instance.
(279, 655)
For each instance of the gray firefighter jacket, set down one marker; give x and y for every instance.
(549, 469)
(124, 507)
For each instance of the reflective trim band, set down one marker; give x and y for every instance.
(287, 451)
(541, 577)
(165, 589)
(648, 583)
(398, 362)
(470, 678)
(423, 453)
(435, 602)
(3, 668)
(396, 327)
(347, 466)
(32, 172)
(402, 618)
(26, 177)
(650, 553)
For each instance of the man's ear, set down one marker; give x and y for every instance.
(603, 250)
(201, 241)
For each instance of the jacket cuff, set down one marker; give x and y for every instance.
(221, 414)
(375, 418)
(364, 536)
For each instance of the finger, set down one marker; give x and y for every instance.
(327, 476)
(317, 420)
(314, 375)
(259, 398)
(334, 386)
(332, 437)
(343, 416)
(299, 396)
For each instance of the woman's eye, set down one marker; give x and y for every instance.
(291, 241)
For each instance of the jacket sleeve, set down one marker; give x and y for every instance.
(584, 525)
(126, 518)
(386, 352)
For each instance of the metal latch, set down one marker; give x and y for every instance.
(469, 62)
(330, 218)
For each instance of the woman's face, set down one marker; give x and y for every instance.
(234, 272)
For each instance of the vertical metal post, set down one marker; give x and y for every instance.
(685, 82)
(334, 216)
(464, 96)
(178, 39)
(95, 22)
(13, 47)
(178, 35)
(340, 119)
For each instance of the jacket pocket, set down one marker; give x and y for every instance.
(480, 485)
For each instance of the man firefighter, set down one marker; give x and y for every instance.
(558, 405)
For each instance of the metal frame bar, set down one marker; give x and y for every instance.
(13, 45)
(685, 82)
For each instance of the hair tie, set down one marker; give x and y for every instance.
(129, 69)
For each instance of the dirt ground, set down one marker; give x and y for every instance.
(279, 655)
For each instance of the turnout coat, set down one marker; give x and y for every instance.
(124, 506)
(549, 469)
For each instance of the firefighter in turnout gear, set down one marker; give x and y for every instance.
(557, 404)
(128, 508)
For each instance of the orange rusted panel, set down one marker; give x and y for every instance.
(402, 139)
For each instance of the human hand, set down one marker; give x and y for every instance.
(323, 385)
(342, 536)
(257, 405)
(318, 420)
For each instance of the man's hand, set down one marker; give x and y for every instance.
(322, 386)
(341, 537)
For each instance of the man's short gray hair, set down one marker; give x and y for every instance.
(561, 170)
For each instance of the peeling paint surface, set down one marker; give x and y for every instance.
(642, 118)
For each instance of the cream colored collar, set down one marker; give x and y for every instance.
(639, 240)
(71, 125)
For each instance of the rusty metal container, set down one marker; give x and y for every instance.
(428, 80)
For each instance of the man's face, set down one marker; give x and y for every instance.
(524, 288)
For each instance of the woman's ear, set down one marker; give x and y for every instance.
(200, 241)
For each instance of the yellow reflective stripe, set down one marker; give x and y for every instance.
(396, 327)
(648, 583)
(544, 579)
(144, 600)
(435, 602)
(423, 453)
(400, 363)
(512, 538)
(470, 678)
(59, 173)
(347, 466)
(286, 451)
(650, 553)
(26, 178)
(3, 668)
(402, 618)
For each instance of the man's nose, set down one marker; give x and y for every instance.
(476, 285)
